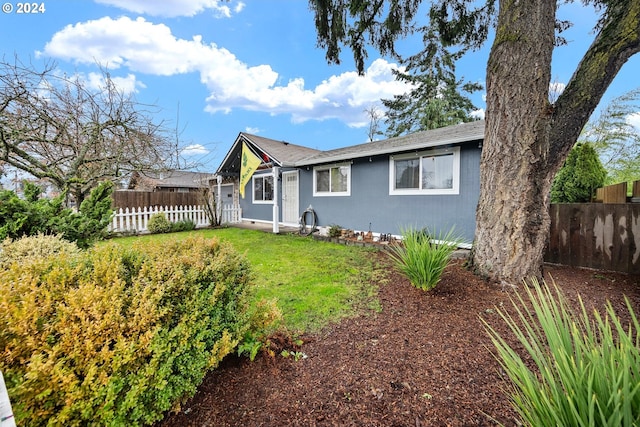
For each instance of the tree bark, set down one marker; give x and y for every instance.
(512, 217)
(527, 139)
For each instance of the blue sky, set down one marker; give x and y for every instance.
(230, 67)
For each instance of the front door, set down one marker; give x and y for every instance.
(290, 209)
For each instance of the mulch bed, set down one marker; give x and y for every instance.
(424, 360)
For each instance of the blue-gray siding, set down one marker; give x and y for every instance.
(370, 204)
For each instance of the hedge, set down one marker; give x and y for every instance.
(114, 336)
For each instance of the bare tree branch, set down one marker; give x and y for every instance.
(57, 127)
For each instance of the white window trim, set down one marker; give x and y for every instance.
(432, 191)
(329, 193)
(253, 192)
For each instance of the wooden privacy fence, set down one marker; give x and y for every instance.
(596, 235)
(141, 199)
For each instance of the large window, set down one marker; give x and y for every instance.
(332, 180)
(262, 188)
(428, 172)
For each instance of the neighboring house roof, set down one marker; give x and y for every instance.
(291, 155)
(464, 132)
(170, 179)
(281, 153)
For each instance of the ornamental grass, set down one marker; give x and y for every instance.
(422, 257)
(580, 369)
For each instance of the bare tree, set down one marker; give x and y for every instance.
(210, 204)
(375, 115)
(58, 128)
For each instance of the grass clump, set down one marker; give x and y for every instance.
(587, 367)
(423, 257)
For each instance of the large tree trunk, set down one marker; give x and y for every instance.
(526, 138)
(512, 213)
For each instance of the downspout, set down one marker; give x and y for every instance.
(276, 210)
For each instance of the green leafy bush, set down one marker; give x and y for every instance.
(587, 367)
(184, 225)
(31, 215)
(264, 317)
(90, 223)
(158, 223)
(422, 257)
(34, 215)
(114, 336)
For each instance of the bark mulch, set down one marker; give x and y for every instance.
(423, 360)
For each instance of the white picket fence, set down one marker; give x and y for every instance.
(135, 220)
(230, 214)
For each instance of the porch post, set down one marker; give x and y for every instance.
(276, 210)
(219, 201)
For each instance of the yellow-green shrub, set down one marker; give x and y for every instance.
(117, 336)
(34, 248)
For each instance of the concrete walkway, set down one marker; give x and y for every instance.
(267, 227)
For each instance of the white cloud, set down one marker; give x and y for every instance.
(126, 85)
(194, 150)
(555, 90)
(150, 48)
(634, 120)
(478, 114)
(252, 130)
(173, 8)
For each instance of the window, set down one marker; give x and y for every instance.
(332, 180)
(428, 172)
(262, 188)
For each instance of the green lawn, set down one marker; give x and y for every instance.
(315, 283)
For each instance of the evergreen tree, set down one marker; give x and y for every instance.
(580, 176)
(434, 102)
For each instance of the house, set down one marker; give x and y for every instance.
(426, 179)
(171, 181)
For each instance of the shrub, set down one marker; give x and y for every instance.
(264, 317)
(34, 215)
(114, 336)
(29, 216)
(33, 248)
(158, 223)
(587, 367)
(90, 223)
(423, 258)
(335, 230)
(184, 225)
(579, 177)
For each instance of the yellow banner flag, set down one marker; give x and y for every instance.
(249, 164)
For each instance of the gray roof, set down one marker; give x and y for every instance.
(456, 134)
(282, 152)
(176, 179)
(285, 154)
